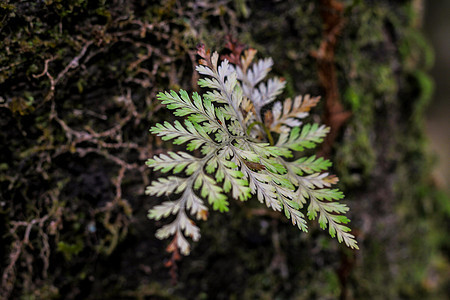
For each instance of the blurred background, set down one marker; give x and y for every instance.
(78, 83)
(437, 29)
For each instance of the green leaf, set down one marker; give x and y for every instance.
(328, 194)
(176, 162)
(181, 135)
(273, 165)
(247, 155)
(307, 138)
(210, 190)
(164, 210)
(310, 165)
(166, 186)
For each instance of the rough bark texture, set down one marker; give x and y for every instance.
(78, 81)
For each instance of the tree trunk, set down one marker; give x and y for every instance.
(78, 83)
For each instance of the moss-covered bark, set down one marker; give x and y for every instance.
(78, 81)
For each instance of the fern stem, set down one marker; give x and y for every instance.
(266, 131)
(229, 99)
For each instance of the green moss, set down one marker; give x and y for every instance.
(425, 85)
(69, 250)
(353, 98)
(385, 82)
(415, 51)
(45, 292)
(152, 290)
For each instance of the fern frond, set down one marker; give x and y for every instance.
(286, 114)
(266, 93)
(259, 92)
(181, 223)
(175, 162)
(262, 186)
(291, 209)
(224, 79)
(319, 180)
(335, 222)
(309, 165)
(199, 110)
(209, 189)
(164, 210)
(247, 59)
(166, 186)
(301, 138)
(306, 191)
(257, 72)
(193, 133)
(233, 180)
(239, 156)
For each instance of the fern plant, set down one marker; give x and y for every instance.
(240, 156)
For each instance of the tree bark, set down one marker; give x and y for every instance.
(78, 85)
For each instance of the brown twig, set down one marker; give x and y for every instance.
(334, 115)
(74, 63)
(9, 274)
